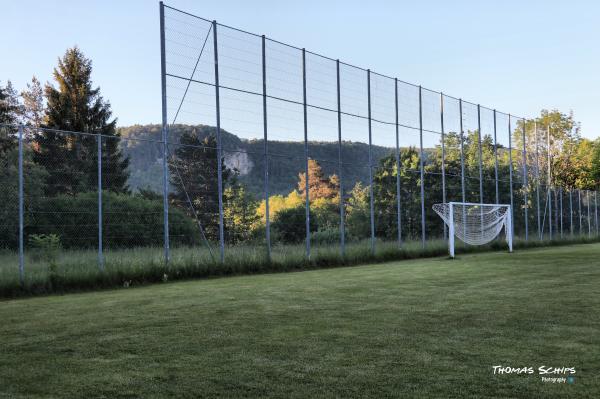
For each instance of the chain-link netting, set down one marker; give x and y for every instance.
(268, 153)
(9, 203)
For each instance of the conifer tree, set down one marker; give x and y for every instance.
(74, 105)
(10, 108)
(33, 103)
(9, 114)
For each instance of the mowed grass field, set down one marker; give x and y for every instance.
(429, 328)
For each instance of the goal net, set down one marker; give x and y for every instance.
(475, 224)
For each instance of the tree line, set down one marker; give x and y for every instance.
(61, 176)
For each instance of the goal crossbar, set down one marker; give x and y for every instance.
(475, 204)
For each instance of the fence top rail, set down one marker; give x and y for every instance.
(317, 54)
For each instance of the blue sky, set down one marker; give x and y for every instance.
(516, 56)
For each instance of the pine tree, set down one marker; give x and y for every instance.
(10, 108)
(33, 103)
(9, 114)
(74, 105)
(5, 114)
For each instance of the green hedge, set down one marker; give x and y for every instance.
(128, 221)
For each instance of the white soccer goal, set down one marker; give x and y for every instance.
(475, 224)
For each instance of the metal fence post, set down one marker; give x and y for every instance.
(596, 209)
(100, 252)
(580, 214)
(371, 194)
(462, 153)
(462, 163)
(444, 157)
(21, 210)
(480, 163)
(560, 204)
(480, 156)
(306, 187)
(555, 211)
(398, 167)
(421, 167)
(163, 69)
(549, 186)
(510, 177)
(589, 213)
(219, 147)
(537, 180)
(496, 160)
(571, 227)
(525, 184)
(266, 150)
(340, 162)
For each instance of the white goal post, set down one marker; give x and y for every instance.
(475, 224)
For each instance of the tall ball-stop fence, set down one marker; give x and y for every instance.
(268, 152)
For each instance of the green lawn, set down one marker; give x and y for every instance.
(422, 328)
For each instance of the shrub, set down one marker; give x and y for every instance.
(327, 215)
(290, 224)
(128, 221)
(326, 237)
(44, 247)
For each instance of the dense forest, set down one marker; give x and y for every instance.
(61, 174)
